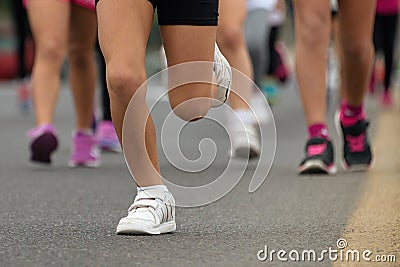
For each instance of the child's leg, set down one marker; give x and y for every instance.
(123, 40)
(356, 24)
(312, 18)
(83, 28)
(312, 24)
(230, 38)
(185, 44)
(49, 21)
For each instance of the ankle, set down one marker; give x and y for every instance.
(318, 130)
(350, 114)
(152, 187)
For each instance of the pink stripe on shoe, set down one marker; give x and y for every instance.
(313, 150)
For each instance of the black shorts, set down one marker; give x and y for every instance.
(186, 12)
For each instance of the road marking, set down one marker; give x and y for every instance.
(375, 223)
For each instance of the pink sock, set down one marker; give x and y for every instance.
(350, 115)
(318, 130)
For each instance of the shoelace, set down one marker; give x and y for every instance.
(356, 143)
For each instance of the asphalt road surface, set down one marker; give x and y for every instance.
(59, 216)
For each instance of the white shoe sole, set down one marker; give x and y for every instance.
(94, 164)
(316, 167)
(247, 151)
(245, 146)
(140, 229)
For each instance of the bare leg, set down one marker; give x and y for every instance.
(312, 21)
(123, 40)
(230, 39)
(186, 44)
(49, 21)
(356, 25)
(339, 52)
(83, 28)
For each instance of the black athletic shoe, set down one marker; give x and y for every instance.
(357, 155)
(319, 157)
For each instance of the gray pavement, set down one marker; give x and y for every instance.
(59, 216)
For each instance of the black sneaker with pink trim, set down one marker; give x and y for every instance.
(357, 154)
(319, 157)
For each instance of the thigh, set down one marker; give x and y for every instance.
(49, 21)
(356, 19)
(184, 43)
(188, 29)
(83, 29)
(123, 38)
(190, 81)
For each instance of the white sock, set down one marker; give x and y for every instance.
(153, 187)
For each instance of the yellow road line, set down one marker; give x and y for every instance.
(375, 224)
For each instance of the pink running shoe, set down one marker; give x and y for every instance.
(108, 139)
(43, 143)
(387, 100)
(85, 150)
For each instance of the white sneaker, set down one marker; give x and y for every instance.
(245, 142)
(223, 74)
(152, 212)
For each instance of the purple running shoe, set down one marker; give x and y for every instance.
(84, 150)
(108, 139)
(43, 143)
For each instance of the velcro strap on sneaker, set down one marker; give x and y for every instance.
(144, 203)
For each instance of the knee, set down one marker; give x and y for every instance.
(81, 58)
(230, 36)
(357, 49)
(123, 81)
(313, 29)
(189, 107)
(51, 50)
(190, 112)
